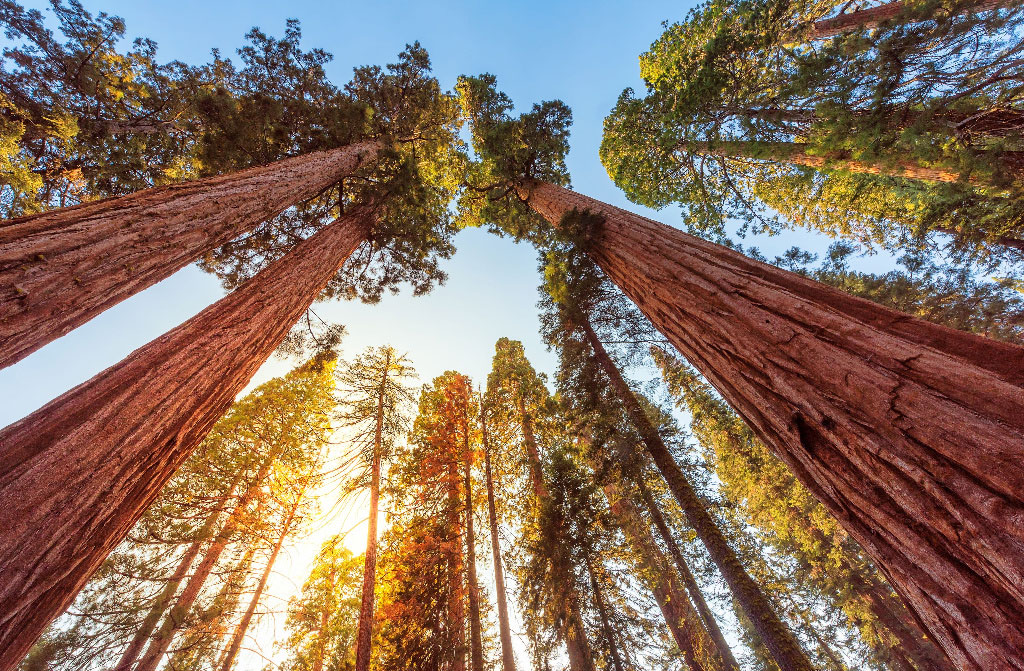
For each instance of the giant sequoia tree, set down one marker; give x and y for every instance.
(846, 392)
(141, 422)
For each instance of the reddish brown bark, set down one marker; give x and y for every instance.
(706, 616)
(874, 16)
(683, 622)
(243, 624)
(163, 600)
(366, 608)
(60, 269)
(775, 635)
(909, 432)
(476, 647)
(77, 474)
(508, 662)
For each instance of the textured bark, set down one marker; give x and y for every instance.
(177, 615)
(366, 608)
(911, 642)
(508, 662)
(696, 596)
(163, 600)
(476, 647)
(683, 622)
(796, 153)
(60, 269)
(874, 16)
(243, 624)
(777, 638)
(77, 474)
(910, 433)
(602, 611)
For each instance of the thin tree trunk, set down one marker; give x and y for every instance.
(683, 622)
(243, 625)
(796, 154)
(540, 490)
(456, 592)
(325, 615)
(874, 16)
(242, 568)
(777, 637)
(508, 662)
(706, 615)
(175, 618)
(910, 433)
(77, 474)
(576, 642)
(602, 611)
(366, 608)
(60, 269)
(163, 600)
(475, 642)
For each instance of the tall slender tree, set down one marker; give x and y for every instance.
(508, 662)
(323, 620)
(375, 398)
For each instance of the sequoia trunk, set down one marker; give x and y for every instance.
(508, 662)
(1012, 162)
(79, 472)
(60, 269)
(873, 16)
(909, 432)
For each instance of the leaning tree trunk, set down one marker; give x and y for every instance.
(243, 625)
(696, 596)
(79, 472)
(910, 433)
(176, 616)
(777, 637)
(163, 600)
(576, 642)
(682, 621)
(508, 662)
(476, 646)
(60, 269)
(874, 16)
(366, 608)
(602, 612)
(1011, 162)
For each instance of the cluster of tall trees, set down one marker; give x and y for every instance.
(847, 493)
